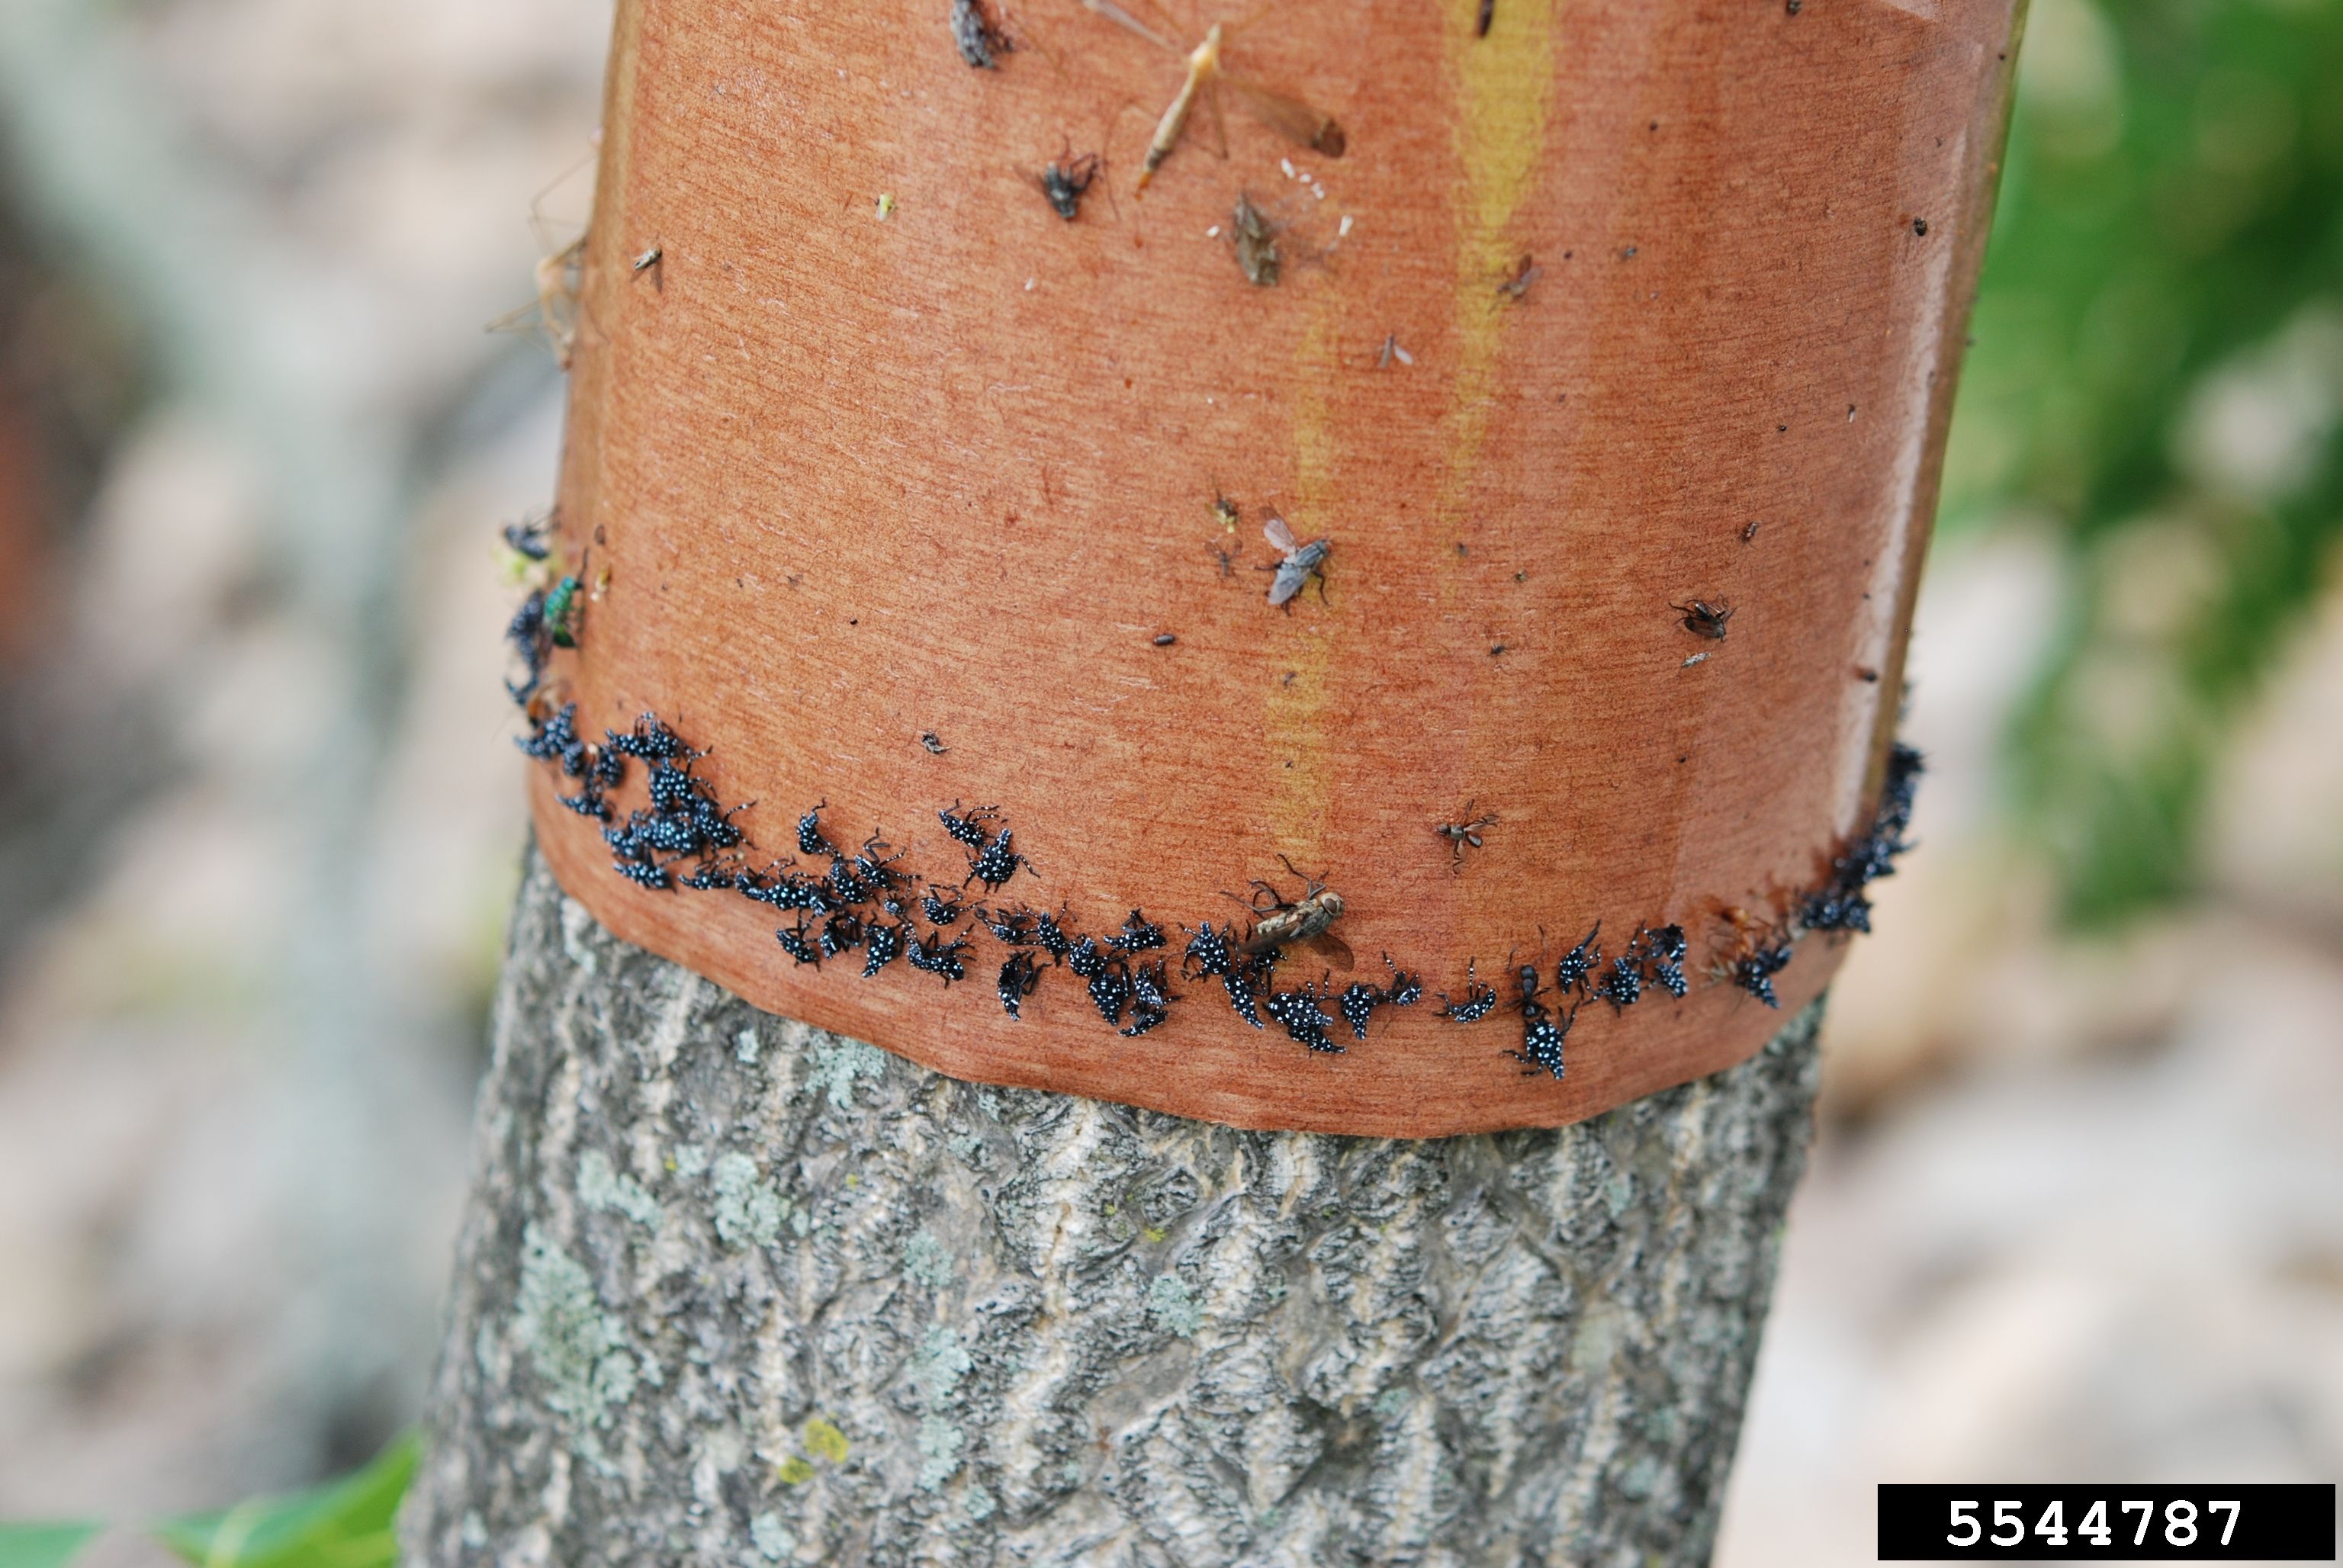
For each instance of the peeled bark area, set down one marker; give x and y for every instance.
(734, 1289)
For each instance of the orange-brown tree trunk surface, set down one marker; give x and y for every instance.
(1611, 311)
(894, 492)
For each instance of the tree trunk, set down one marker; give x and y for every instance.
(734, 1289)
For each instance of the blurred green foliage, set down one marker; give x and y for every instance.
(43, 1545)
(344, 1524)
(2156, 374)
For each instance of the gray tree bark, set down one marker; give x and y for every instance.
(735, 1290)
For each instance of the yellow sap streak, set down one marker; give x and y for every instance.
(1294, 718)
(1504, 85)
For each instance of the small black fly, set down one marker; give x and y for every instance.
(1064, 184)
(976, 35)
(1703, 619)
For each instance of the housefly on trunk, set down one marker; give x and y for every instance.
(1307, 921)
(1289, 116)
(1302, 562)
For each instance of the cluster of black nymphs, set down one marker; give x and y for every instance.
(1302, 1012)
(1841, 904)
(1120, 984)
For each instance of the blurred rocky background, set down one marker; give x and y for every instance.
(2076, 1212)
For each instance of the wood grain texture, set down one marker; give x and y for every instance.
(853, 477)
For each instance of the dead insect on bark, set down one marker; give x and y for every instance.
(1525, 273)
(1302, 562)
(977, 35)
(1289, 116)
(1165, 639)
(1703, 619)
(934, 743)
(653, 262)
(1750, 532)
(1065, 184)
(1256, 242)
(1391, 350)
(1480, 23)
(1464, 833)
(554, 312)
(1282, 923)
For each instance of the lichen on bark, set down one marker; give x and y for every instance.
(735, 1290)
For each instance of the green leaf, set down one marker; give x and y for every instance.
(345, 1523)
(43, 1546)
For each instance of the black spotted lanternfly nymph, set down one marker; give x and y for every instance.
(1256, 242)
(1480, 998)
(1302, 563)
(1287, 116)
(942, 906)
(1298, 1011)
(1580, 962)
(936, 956)
(1138, 934)
(966, 827)
(996, 862)
(1019, 977)
(1703, 619)
(810, 839)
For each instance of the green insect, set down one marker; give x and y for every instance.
(561, 613)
